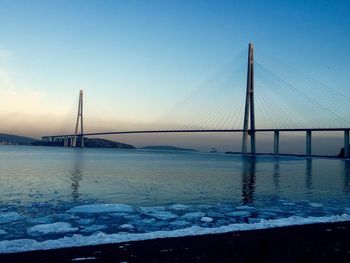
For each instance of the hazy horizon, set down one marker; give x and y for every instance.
(169, 64)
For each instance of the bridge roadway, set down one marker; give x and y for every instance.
(198, 131)
(67, 137)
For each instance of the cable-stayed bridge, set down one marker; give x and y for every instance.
(317, 109)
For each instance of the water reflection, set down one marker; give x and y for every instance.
(276, 174)
(248, 179)
(346, 175)
(76, 174)
(308, 174)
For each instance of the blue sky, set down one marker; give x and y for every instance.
(136, 59)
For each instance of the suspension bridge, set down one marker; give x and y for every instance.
(248, 128)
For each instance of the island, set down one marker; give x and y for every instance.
(11, 139)
(167, 148)
(89, 143)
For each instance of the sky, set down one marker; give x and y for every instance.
(137, 60)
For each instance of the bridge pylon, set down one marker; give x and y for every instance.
(249, 113)
(79, 120)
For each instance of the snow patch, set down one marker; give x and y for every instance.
(101, 208)
(77, 240)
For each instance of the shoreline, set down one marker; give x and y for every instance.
(318, 242)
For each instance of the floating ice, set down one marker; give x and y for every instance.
(151, 209)
(179, 207)
(8, 217)
(85, 221)
(93, 228)
(102, 208)
(158, 212)
(315, 205)
(206, 219)
(239, 214)
(40, 220)
(2, 232)
(215, 214)
(20, 245)
(121, 214)
(180, 223)
(126, 226)
(83, 259)
(289, 203)
(54, 228)
(193, 215)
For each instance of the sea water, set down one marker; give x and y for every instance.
(49, 195)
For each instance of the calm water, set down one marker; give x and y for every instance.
(41, 185)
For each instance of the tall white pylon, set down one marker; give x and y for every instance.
(249, 112)
(79, 118)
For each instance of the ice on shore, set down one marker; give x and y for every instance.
(8, 217)
(54, 228)
(101, 208)
(20, 245)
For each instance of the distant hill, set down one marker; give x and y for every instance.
(167, 148)
(89, 143)
(11, 139)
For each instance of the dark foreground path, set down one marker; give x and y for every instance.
(310, 243)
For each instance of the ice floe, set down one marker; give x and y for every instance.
(54, 228)
(101, 208)
(158, 212)
(8, 217)
(126, 226)
(316, 205)
(239, 214)
(179, 207)
(85, 221)
(19, 245)
(180, 223)
(206, 219)
(93, 228)
(193, 215)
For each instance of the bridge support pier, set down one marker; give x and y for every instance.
(276, 142)
(308, 142)
(346, 144)
(249, 112)
(65, 142)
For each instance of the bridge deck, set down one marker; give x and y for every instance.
(197, 131)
